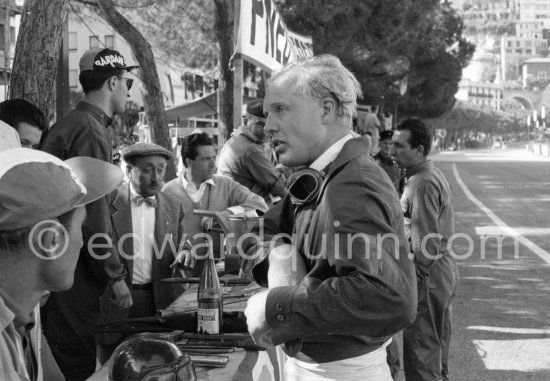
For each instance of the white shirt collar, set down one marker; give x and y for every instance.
(330, 154)
(186, 183)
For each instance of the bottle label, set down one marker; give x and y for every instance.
(208, 320)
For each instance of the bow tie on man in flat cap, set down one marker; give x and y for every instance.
(151, 201)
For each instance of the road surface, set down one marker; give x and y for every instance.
(502, 309)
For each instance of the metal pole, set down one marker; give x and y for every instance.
(6, 49)
(237, 73)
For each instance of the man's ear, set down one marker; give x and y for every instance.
(420, 149)
(47, 239)
(129, 170)
(329, 107)
(111, 82)
(187, 162)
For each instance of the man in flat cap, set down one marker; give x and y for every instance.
(147, 229)
(244, 160)
(41, 214)
(385, 160)
(70, 317)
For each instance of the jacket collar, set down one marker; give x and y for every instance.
(352, 149)
(98, 113)
(422, 166)
(249, 135)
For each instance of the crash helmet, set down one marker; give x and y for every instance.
(150, 357)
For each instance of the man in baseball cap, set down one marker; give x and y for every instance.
(69, 325)
(41, 213)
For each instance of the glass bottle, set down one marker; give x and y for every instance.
(209, 299)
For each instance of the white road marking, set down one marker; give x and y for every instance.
(522, 231)
(543, 254)
(520, 331)
(516, 355)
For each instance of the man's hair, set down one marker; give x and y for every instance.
(325, 76)
(189, 147)
(15, 111)
(420, 133)
(17, 239)
(91, 80)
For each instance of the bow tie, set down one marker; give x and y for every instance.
(151, 201)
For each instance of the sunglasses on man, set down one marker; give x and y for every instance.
(129, 81)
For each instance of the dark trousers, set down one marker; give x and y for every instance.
(426, 341)
(68, 320)
(143, 305)
(392, 358)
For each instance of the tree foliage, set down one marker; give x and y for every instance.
(384, 41)
(467, 121)
(180, 30)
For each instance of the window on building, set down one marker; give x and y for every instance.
(2, 38)
(94, 42)
(110, 41)
(12, 35)
(73, 41)
(73, 78)
(528, 43)
(541, 75)
(509, 44)
(528, 51)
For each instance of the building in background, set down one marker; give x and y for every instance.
(535, 72)
(535, 10)
(483, 94)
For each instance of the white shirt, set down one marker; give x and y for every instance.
(330, 154)
(143, 228)
(196, 194)
(12, 358)
(9, 138)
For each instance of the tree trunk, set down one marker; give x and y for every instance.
(225, 16)
(37, 53)
(152, 95)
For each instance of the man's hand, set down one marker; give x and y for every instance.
(120, 294)
(256, 320)
(223, 220)
(185, 259)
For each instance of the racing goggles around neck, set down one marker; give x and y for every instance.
(304, 185)
(180, 370)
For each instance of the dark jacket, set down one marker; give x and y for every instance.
(83, 132)
(169, 234)
(396, 174)
(359, 288)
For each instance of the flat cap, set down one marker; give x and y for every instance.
(145, 149)
(256, 108)
(386, 134)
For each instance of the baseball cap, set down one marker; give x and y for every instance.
(256, 108)
(145, 149)
(36, 186)
(103, 60)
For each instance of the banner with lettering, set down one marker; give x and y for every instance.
(264, 38)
